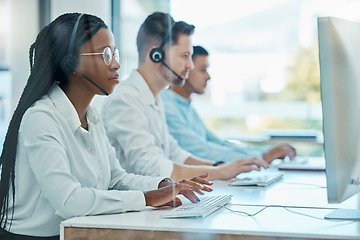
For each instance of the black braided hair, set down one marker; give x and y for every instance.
(45, 56)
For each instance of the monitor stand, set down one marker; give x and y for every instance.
(344, 214)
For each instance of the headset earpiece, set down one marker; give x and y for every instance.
(69, 64)
(157, 55)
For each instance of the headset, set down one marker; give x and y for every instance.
(158, 54)
(70, 62)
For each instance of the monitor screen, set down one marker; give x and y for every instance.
(339, 55)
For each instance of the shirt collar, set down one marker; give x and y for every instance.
(178, 98)
(67, 110)
(143, 87)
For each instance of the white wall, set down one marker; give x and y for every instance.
(24, 29)
(100, 8)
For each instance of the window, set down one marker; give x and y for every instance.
(263, 61)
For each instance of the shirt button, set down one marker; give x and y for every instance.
(92, 151)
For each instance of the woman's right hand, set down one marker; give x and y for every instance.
(166, 196)
(232, 169)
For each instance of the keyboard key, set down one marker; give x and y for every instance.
(206, 206)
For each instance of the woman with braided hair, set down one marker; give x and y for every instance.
(56, 161)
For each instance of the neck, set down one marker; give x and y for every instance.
(183, 91)
(80, 98)
(152, 77)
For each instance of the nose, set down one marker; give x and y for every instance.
(115, 64)
(190, 64)
(207, 76)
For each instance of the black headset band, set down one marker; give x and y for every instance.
(73, 34)
(167, 35)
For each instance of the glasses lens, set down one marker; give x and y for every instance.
(107, 55)
(116, 55)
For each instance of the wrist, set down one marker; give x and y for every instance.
(165, 182)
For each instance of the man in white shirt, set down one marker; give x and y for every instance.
(134, 116)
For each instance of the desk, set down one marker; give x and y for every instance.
(296, 189)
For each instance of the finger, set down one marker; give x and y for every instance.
(259, 162)
(193, 184)
(207, 189)
(250, 168)
(293, 153)
(201, 179)
(290, 153)
(191, 196)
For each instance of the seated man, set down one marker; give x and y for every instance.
(191, 133)
(134, 116)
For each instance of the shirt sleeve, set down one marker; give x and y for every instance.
(208, 146)
(121, 180)
(42, 141)
(127, 125)
(177, 153)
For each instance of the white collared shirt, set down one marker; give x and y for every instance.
(135, 124)
(63, 171)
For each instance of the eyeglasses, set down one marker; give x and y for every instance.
(107, 54)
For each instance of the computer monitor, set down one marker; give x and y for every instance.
(339, 55)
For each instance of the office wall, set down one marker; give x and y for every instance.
(24, 28)
(100, 8)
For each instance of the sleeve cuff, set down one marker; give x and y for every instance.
(166, 168)
(134, 201)
(182, 156)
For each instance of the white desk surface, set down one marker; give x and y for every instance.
(296, 189)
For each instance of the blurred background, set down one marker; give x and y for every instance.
(264, 63)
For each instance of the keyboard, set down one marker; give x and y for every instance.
(261, 178)
(301, 163)
(206, 206)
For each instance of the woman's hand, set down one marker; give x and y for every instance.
(167, 192)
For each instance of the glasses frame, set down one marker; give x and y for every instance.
(114, 55)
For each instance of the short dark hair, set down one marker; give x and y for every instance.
(153, 30)
(199, 51)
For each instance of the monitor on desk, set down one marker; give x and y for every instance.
(339, 55)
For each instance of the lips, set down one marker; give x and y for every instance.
(115, 77)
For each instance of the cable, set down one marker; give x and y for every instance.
(248, 214)
(305, 184)
(279, 206)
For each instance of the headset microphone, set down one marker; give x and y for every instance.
(172, 71)
(101, 89)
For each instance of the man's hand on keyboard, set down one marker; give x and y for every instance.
(232, 169)
(167, 192)
(280, 152)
